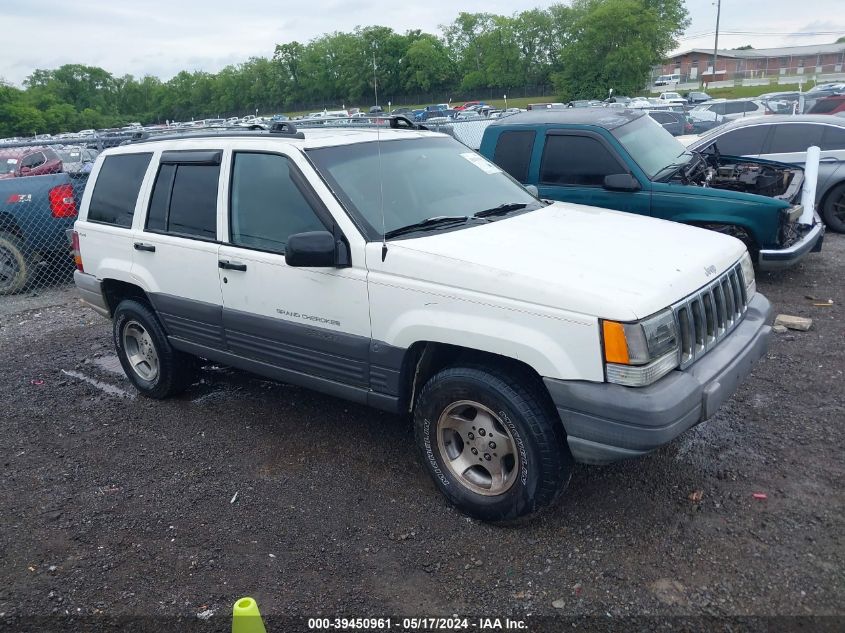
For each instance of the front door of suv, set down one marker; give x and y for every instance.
(175, 251)
(311, 324)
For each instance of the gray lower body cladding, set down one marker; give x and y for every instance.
(344, 365)
(606, 422)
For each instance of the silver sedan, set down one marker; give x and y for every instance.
(785, 139)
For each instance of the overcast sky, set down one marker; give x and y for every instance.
(161, 37)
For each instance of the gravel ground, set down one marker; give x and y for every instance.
(116, 506)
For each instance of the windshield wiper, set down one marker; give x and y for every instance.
(429, 223)
(502, 209)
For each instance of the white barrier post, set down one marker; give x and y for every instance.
(811, 175)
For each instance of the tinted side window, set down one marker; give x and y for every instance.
(116, 189)
(734, 107)
(513, 152)
(267, 206)
(745, 141)
(718, 108)
(193, 201)
(184, 200)
(576, 160)
(160, 200)
(33, 160)
(794, 137)
(750, 106)
(834, 138)
(823, 106)
(660, 117)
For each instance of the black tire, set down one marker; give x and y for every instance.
(16, 265)
(544, 464)
(174, 370)
(833, 212)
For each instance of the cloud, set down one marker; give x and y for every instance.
(747, 23)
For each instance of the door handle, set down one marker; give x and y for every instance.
(140, 246)
(227, 265)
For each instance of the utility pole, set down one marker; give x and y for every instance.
(716, 44)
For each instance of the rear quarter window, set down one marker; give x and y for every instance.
(833, 139)
(116, 190)
(513, 152)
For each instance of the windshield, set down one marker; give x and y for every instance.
(421, 178)
(8, 165)
(650, 145)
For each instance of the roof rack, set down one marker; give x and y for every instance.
(277, 128)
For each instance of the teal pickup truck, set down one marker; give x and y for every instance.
(624, 160)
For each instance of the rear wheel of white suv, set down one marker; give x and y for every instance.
(150, 362)
(492, 442)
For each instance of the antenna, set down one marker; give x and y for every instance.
(380, 178)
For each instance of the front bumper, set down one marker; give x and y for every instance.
(606, 422)
(787, 257)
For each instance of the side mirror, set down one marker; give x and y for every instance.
(312, 249)
(621, 182)
(532, 189)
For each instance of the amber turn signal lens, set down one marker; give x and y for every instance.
(615, 345)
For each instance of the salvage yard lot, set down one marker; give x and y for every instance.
(118, 505)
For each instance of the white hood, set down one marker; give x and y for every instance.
(571, 257)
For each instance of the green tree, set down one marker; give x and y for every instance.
(427, 65)
(614, 44)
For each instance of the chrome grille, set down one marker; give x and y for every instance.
(710, 314)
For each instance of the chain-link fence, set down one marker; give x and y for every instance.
(41, 184)
(40, 189)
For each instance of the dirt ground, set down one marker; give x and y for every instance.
(117, 510)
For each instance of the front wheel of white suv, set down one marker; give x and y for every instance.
(150, 362)
(492, 442)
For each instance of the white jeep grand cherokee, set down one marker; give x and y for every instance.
(404, 271)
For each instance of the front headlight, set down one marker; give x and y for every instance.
(637, 354)
(748, 275)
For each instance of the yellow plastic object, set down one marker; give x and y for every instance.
(246, 618)
(615, 343)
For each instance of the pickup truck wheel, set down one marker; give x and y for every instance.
(493, 445)
(833, 212)
(150, 362)
(15, 265)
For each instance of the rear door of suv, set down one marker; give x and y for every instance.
(175, 246)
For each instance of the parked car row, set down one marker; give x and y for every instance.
(17, 162)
